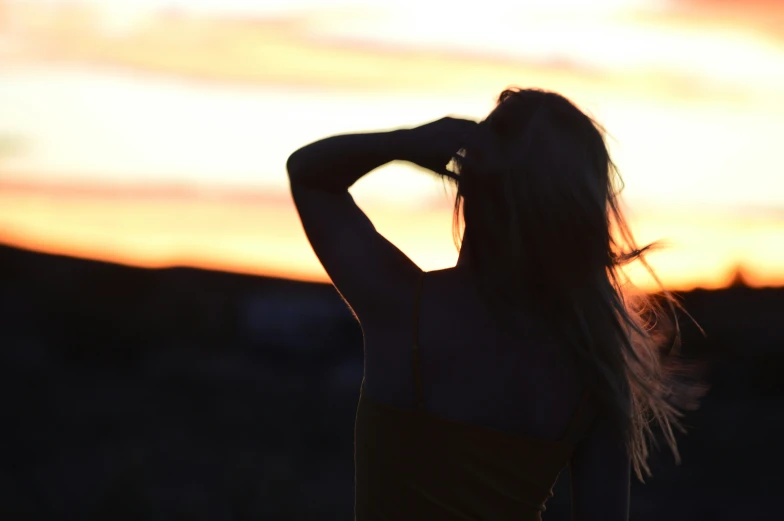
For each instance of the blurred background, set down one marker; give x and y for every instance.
(170, 347)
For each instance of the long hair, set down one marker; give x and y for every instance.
(538, 195)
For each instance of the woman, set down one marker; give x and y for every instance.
(484, 380)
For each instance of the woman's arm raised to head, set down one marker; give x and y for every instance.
(368, 271)
(600, 471)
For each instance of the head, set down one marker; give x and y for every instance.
(543, 229)
(537, 189)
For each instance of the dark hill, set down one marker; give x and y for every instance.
(188, 394)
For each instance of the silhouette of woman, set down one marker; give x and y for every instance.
(483, 381)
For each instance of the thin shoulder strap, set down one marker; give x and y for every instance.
(415, 358)
(581, 420)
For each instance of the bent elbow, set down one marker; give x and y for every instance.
(301, 171)
(294, 165)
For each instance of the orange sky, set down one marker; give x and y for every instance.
(256, 233)
(107, 107)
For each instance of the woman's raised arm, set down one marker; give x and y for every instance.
(371, 273)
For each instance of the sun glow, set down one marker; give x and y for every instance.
(108, 104)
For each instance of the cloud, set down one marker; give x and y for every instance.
(764, 17)
(374, 51)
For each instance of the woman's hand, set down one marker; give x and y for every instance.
(434, 145)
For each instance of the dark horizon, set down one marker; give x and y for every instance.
(127, 389)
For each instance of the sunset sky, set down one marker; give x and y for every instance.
(155, 132)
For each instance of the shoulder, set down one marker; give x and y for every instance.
(394, 302)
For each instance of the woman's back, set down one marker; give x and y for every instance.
(472, 371)
(475, 452)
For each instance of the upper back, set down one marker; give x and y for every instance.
(469, 423)
(471, 370)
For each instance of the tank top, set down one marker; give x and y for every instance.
(410, 464)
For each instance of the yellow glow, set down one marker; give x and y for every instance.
(236, 233)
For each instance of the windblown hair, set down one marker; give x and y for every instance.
(538, 195)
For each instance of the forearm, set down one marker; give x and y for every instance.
(335, 163)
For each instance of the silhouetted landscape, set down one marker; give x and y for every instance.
(183, 394)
